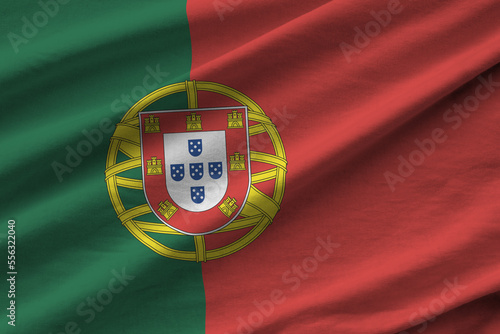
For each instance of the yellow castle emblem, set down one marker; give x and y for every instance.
(237, 162)
(228, 206)
(151, 124)
(167, 209)
(193, 122)
(154, 166)
(235, 120)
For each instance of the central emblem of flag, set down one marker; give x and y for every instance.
(215, 175)
(195, 167)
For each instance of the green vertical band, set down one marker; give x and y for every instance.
(69, 72)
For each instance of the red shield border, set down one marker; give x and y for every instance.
(154, 124)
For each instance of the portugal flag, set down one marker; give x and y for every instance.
(238, 167)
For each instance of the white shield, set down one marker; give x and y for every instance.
(182, 185)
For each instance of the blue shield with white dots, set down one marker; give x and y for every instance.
(196, 170)
(195, 147)
(177, 172)
(198, 194)
(215, 169)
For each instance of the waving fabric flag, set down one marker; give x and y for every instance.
(244, 167)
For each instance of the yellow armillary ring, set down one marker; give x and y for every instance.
(259, 209)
